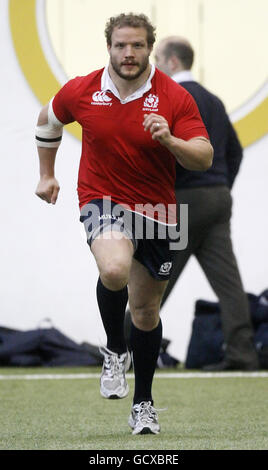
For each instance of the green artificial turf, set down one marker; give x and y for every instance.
(202, 413)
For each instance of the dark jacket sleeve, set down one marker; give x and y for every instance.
(234, 153)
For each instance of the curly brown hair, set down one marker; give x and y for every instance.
(132, 20)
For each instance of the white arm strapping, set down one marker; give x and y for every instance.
(50, 134)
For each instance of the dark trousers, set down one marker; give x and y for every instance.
(209, 212)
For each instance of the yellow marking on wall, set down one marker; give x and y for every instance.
(22, 17)
(254, 125)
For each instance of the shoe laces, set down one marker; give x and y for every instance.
(146, 412)
(113, 363)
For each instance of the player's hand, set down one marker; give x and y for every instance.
(48, 189)
(158, 126)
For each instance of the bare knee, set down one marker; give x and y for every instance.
(145, 317)
(113, 258)
(114, 275)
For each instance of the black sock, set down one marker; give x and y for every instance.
(112, 305)
(145, 347)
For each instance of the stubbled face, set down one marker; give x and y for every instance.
(129, 52)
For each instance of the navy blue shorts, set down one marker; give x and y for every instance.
(151, 240)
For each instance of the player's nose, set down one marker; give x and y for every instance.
(129, 51)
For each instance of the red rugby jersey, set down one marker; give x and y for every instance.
(119, 159)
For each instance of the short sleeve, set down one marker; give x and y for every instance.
(63, 103)
(187, 120)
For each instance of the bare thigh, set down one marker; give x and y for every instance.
(114, 258)
(145, 294)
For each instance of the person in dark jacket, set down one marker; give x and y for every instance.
(209, 204)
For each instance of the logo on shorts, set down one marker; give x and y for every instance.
(100, 98)
(110, 217)
(151, 103)
(165, 268)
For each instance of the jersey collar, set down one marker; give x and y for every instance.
(108, 85)
(183, 76)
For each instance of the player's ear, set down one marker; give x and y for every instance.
(150, 49)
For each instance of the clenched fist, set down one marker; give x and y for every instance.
(158, 126)
(48, 189)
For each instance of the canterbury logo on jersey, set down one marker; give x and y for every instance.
(100, 98)
(151, 103)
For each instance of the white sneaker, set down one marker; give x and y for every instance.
(113, 382)
(144, 419)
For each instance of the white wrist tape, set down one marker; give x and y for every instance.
(50, 134)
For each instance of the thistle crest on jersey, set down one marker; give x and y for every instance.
(151, 103)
